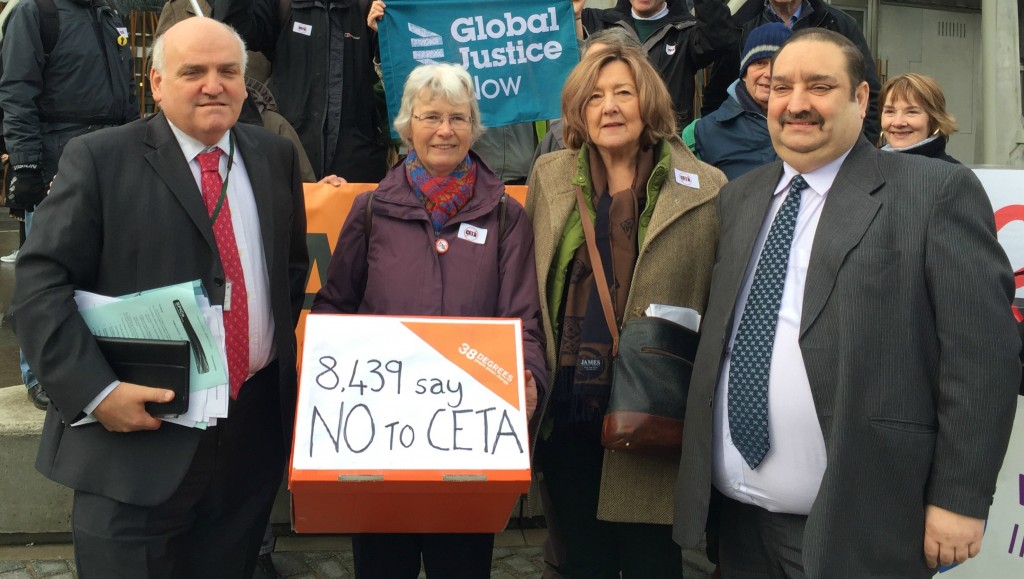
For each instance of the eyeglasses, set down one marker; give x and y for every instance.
(457, 121)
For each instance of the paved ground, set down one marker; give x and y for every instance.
(517, 555)
(318, 557)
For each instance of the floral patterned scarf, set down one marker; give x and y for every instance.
(442, 197)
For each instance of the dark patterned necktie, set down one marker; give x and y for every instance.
(752, 350)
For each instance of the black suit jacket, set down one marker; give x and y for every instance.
(125, 215)
(910, 350)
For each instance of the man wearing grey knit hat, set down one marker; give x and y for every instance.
(735, 137)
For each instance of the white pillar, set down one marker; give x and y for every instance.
(1002, 127)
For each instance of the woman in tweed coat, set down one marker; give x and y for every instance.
(654, 208)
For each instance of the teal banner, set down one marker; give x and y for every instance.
(518, 53)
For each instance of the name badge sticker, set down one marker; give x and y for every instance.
(122, 31)
(473, 233)
(687, 179)
(305, 29)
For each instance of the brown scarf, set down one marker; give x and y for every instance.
(584, 374)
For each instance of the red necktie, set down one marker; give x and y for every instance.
(236, 315)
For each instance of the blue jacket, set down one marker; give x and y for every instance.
(732, 139)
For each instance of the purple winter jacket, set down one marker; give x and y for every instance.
(403, 275)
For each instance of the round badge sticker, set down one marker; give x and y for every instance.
(122, 40)
(441, 245)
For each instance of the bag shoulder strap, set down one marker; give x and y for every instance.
(598, 267)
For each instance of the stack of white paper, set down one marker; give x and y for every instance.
(156, 315)
(686, 317)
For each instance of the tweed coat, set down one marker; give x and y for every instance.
(673, 268)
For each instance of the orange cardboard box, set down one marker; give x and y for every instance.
(409, 425)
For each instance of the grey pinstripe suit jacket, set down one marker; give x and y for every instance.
(909, 346)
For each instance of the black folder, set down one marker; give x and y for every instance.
(157, 363)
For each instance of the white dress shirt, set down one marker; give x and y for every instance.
(246, 222)
(788, 478)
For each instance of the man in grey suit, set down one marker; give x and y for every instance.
(853, 392)
(134, 208)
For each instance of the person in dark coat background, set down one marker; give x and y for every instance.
(676, 43)
(52, 91)
(322, 76)
(797, 15)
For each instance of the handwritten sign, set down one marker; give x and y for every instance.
(393, 393)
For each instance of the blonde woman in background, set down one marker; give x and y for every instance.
(914, 117)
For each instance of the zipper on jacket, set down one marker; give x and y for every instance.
(98, 21)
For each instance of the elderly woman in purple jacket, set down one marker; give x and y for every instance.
(439, 238)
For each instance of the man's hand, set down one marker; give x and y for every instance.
(332, 180)
(577, 13)
(950, 537)
(376, 13)
(27, 187)
(124, 409)
(531, 395)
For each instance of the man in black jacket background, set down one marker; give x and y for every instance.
(321, 53)
(61, 78)
(676, 43)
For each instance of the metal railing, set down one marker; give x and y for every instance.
(141, 25)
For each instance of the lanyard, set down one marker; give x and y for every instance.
(227, 175)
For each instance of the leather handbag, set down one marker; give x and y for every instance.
(651, 368)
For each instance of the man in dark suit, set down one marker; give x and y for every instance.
(134, 208)
(853, 392)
